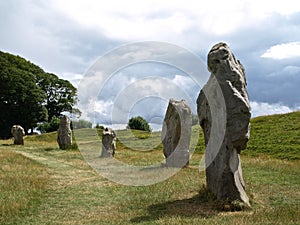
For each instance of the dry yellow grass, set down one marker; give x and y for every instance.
(44, 185)
(22, 182)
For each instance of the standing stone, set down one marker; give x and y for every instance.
(109, 139)
(176, 133)
(18, 133)
(223, 168)
(64, 137)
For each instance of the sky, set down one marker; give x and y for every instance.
(69, 38)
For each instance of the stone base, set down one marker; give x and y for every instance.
(226, 182)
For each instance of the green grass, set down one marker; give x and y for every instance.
(48, 137)
(45, 185)
(277, 136)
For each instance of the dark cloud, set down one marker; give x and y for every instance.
(269, 80)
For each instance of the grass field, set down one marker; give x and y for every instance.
(41, 184)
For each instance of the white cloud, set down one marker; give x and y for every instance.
(264, 8)
(135, 20)
(283, 51)
(74, 78)
(147, 96)
(97, 111)
(183, 81)
(264, 108)
(151, 87)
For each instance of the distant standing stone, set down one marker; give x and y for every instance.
(108, 143)
(18, 133)
(223, 167)
(64, 131)
(176, 133)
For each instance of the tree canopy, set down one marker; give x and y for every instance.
(139, 123)
(29, 95)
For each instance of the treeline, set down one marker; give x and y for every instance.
(53, 125)
(30, 96)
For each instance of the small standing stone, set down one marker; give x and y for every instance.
(64, 131)
(108, 143)
(176, 133)
(223, 166)
(18, 133)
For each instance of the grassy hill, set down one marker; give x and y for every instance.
(41, 184)
(276, 136)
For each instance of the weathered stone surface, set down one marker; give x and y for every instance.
(64, 137)
(176, 133)
(223, 166)
(18, 133)
(109, 139)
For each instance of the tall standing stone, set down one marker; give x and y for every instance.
(223, 166)
(18, 133)
(176, 133)
(64, 131)
(108, 143)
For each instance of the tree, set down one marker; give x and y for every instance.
(21, 101)
(29, 95)
(51, 126)
(139, 123)
(61, 95)
(98, 126)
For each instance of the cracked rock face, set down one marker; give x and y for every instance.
(223, 166)
(176, 133)
(64, 138)
(108, 143)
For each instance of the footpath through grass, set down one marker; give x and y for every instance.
(41, 184)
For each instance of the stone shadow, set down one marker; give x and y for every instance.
(196, 206)
(7, 144)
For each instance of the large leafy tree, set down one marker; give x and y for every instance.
(61, 95)
(28, 95)
(21, 100)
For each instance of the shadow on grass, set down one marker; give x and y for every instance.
(197, 206)
(49, 149)
(7, 144)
